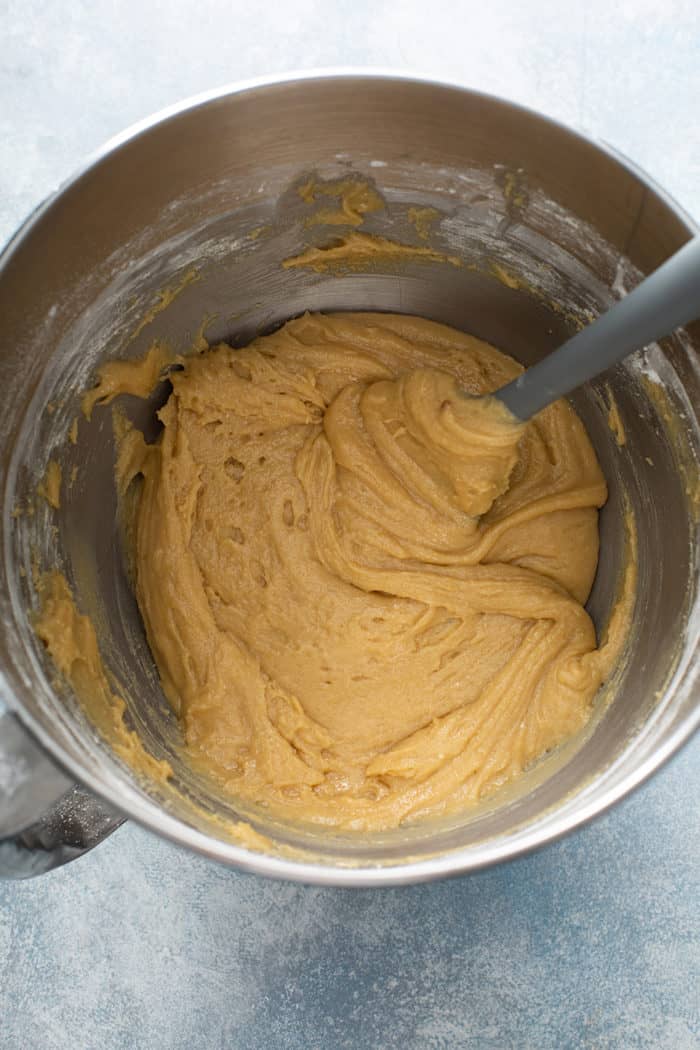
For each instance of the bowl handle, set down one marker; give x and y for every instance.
(46, 819)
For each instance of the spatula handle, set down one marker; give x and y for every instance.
(668, 298)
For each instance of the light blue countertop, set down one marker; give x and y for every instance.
(594, 942)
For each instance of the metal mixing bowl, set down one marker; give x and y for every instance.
(551, 227)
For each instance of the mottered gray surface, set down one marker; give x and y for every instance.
(594, 941)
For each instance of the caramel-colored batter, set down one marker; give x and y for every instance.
(71, 640)
(50, 486)
(364, 592)
(360, 251)
(354, 198)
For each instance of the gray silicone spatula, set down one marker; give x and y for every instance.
(668, 298)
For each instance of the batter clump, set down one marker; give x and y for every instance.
(363, 592)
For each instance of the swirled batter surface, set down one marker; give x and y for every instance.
(364, 592)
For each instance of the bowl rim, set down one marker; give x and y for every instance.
(560, 820)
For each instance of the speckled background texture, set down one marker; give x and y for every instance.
(595, 941)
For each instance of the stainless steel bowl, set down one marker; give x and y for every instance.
(552, 226)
